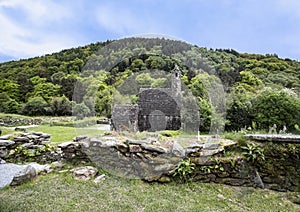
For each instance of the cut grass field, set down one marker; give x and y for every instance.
(60, 192)
(61, 134)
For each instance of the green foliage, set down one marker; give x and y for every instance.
(205, 108)
(249, 79)
(10, 88)
(206, 169)
(81, 111)
(216, 168)
(104, 100)
(170, 133)
(36, 106)
(244, 77)
(276, 107)
(184, 169)
(7, 104)
(46, 90)
(61, 106)
(253, 153)
(236, 136)
(20, 153)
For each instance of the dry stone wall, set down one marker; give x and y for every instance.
(149, 160)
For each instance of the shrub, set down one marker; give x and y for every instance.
(61, 106)
(253, 153)
(81, 111)
(36, 106)
(184, 169)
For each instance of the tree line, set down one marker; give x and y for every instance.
(261, 90)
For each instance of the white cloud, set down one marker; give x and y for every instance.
(38, 11)
(31, 35)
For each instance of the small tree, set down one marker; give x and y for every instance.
(36, 106)
(81, 111)
(276, 107)
(61, 106)
(7, 104)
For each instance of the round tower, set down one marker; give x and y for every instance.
(176, 85)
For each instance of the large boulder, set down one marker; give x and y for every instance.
(24, 175)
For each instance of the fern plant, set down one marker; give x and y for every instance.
(253, 153)
(184, 169)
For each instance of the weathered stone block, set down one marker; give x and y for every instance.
(231, 181)
(21, 139)
(24, 175)
(68, 145)
(6, 143)
(153, 148)
(135, 148)
(84, 172)
(6, 137)
(211, 146)
(122, 147)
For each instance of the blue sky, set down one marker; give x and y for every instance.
(37, 27)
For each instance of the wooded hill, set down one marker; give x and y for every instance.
(261, 90)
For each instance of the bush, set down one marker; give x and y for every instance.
(81, 111)
(184, 169)
(7, 104)
(36, 106)
(276, 107)
(61, 106)
(253, 153)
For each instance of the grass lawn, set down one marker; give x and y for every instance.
(61, 134)
(60, 192)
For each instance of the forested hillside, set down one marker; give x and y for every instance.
(261, 90)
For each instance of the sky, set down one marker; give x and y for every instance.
(36, 27)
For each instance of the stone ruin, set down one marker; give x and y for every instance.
(157, 109)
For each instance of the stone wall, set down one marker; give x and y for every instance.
(152, 161)
(22, 146)
(15, 121)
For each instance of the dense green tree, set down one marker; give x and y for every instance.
(138, 65)
(276, 107)
(239, 112)
(25, 87)
(156, 62)
(81, 111)
(7, 104)
(10, 88)
(205, 109)
(144, 80)
(67, 86)
(104, 100)
(46, 90)
(61, 106)
(36, 106)
(242, 75)
(57, 77)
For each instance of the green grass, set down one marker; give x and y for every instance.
(61, 134)
(7, 130)
(5, 115)
(59, 192)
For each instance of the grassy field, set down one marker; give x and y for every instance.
(60, 192)
(61, 134)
